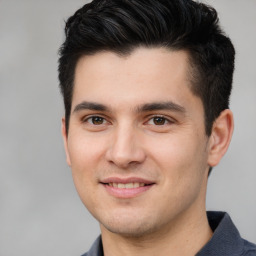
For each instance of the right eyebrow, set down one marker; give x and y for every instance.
(85, 105)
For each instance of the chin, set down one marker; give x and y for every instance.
(129, 226)
(128, 230)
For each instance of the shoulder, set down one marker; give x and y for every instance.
(226, 239)
(249, 249)
(96, 249)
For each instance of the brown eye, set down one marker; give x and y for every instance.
(96, 120)
(159, 120)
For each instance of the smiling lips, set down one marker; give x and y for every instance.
(126, 185)
(126, 188)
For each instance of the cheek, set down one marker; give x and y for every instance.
(85, 154)
(182, 164)
(84, 150)
(180, 158)
(82, 157)
(172, 151)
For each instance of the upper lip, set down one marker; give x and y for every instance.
(126, 180)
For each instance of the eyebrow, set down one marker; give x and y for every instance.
(85, 105)
(169, 105)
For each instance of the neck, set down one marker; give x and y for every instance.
(184, 236)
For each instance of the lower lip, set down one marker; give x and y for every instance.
(126, 192)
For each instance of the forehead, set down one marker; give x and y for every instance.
(143, 76)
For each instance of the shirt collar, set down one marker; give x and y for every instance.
(226, 239)
(96, 249)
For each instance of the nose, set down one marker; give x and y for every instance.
(125, 148)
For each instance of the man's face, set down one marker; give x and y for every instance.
(136, 143)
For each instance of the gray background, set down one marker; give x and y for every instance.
(40, 212)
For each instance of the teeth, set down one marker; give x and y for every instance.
(136, 185)
(129, 185)
(121, 185)
(126, 185)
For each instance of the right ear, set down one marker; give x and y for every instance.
(65, 140)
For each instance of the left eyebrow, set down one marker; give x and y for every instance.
(171, 106)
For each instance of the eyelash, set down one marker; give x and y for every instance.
(86, 120)
(165, 121)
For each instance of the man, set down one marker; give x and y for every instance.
(146, 86)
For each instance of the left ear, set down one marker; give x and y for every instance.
(220, 138)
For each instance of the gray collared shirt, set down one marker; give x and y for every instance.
(226, 240)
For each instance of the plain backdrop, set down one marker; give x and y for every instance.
(40, 212)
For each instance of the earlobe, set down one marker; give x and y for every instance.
(221, 136)
(65, 140)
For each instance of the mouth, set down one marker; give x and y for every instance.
(130, 185)
(126, 188)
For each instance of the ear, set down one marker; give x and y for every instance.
(65, 139)
(220, 138)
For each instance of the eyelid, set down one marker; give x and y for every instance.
(168, 119)
(87, 117)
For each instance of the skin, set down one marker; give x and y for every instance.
(136, 116)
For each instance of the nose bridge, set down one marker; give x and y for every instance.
(125, 147)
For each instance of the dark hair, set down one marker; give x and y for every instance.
(121, 26)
